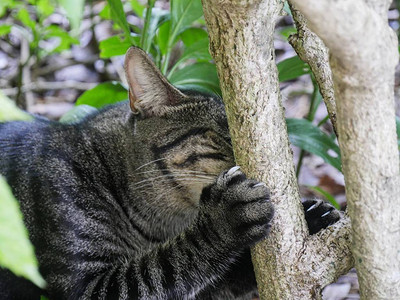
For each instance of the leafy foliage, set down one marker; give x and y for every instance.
(305, 135)
(103, 94)
(32, 26)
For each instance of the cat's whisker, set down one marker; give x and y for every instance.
(163, 181)
(173, 177)
(150, 162)
(182, 172)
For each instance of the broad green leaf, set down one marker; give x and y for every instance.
(163, 37)
(201, 76)
(306, 136)
(74, 11)
(5, 29)
(118, 15)
(183, 14)
(77, 113)
(16, 251)
(198, 51)
(325, 194)
(103, 94)
(192, 35)
(9, 111)
(114, 46)
(292, 68)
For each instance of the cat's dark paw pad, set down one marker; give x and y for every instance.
(239, 206)
(319, 215)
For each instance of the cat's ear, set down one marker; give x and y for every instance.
(149, 91)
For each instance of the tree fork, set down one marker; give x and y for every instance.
(289, 264)
(363, 57)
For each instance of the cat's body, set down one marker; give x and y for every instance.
(127, 206)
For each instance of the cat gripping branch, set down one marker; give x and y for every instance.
(141, 200)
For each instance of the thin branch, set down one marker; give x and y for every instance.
(53, 68)
(310, 48)
(46, 86)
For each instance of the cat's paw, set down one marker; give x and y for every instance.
(237, 209)
(319, 215)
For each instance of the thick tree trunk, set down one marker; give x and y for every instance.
(289, 264)
(363, 59)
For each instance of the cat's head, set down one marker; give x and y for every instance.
(183, 137)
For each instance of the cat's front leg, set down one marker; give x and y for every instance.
(234, 214)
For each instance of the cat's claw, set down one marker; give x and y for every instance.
(239, 209)
(232, 170)
(319, 215)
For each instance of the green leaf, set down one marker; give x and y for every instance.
(198, 51)
(114, 46)
(77, 113)
(192, 35)
(65, 39)
(5, 29)
(103, 94)
(25, 18)
(398, 130)
(105, 13)
(306, 136)
(184, 13)
(9, 111)
(287, 31)
(16, 251)
(6, 4)
(158, 17)
(292, 68)
(118, 15)
(74, 11)
(201, 76)
(163, 36)
(325, 194)
(44, 7)
(138, 8)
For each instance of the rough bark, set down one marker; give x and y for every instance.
(363, 58)
(310, 48)
(289, 264)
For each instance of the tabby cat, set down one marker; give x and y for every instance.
(139, 203)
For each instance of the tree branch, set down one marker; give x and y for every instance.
(310, 48)
(241, 42)
(363, 58)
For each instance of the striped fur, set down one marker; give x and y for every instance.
(111, 211)
(136, 205)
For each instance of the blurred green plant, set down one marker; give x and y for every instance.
(16, 251)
